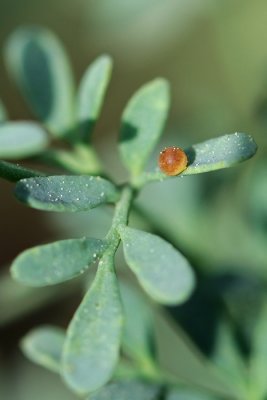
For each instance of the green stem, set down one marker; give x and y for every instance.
(120, 217)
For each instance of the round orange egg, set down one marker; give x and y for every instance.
(172, 161)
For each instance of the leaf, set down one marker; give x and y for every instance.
(44, 346)
(91, 349)
(21, 139)
(3, 113)
(127, 390)
(220, 152)
(142, 124)
(65, 193)
(37, 62)
(15, 172)
(161, 269)
(186, 394)
(258, 358)
(138, 334)
(56, 262)
(91, 94)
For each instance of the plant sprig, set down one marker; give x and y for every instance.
(88, 354)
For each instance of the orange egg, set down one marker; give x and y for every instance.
(172, 161)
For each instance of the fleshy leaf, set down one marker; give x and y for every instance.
(65, 193)
(21, 139)
(56, 262)
(3, 113)
(127, 390)
(91, 94)
(15, 172)
(37, 62)
(92, 344)
(142, 124)
(220, 152)
(162, 271)
(44, 346)
(138, 338)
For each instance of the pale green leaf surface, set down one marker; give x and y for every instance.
(21, 139)
(138, 338)
(15, 172)
(220, 152)
(56, 262)
(127, 390)
(44, 346)
(213, 154)
(65, 193)
(91, 94)
(142, 124)
(92, 344)
(37, 62)
(162, 271)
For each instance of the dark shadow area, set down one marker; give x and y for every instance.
(128, 132)
(191, 155)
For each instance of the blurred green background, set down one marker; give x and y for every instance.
(214, 54)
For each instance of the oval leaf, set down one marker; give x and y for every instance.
(220, 152)
(138, 334)
(21, 139)
(14, 172)
(142, 124)
(37, 62)
(56, 262)
(161, 270)
(65, 193)
(92, 344)
(127, 390)
(91, 94)
(44, 346)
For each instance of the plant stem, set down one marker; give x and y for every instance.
(120, 216)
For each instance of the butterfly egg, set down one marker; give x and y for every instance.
(172, 161)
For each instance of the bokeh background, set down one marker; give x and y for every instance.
(214, 54)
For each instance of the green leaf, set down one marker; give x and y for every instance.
(138, 334)
(186, 394)
(127, 390)
(56, 262)
(3, 113)
(220, 152)
(161, 269)
(37, 62)
(44, 346)
(92, 344)
(142, 124)
(14, 172)
(258, 358)
(65, 193)
(21, 139)
(91, 94)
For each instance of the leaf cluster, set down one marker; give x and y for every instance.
(87, 354)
